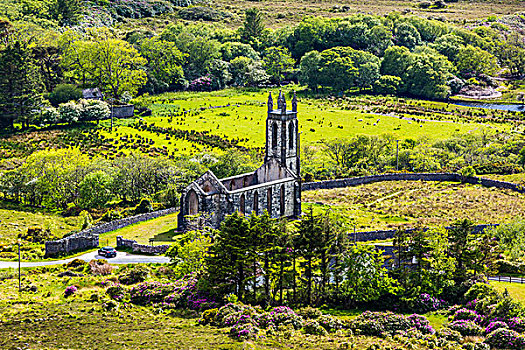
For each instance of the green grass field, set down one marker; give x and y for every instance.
(387, 205)
(13, 222)
(240, 115)
(516, 290)
(161, 229)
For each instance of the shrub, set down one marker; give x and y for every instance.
(76, 264)
(330, 323)
(466, 328)
(314, 328)
(505, 339)
(426, 302)
(182, 294)
(376, 323)
(69, 112)
(37, 235)
(229, 314)
(421, 324)
(244, 331)
(505, 267)
(63, 93)
(202, 13)
(479, 291)
(492, 326)
(49, 115)
(116, 292)
(70, 291)
(281, 315)
(111, 215)
(94, 110)
(100, 267)
(145, 206)
(309, 313)
(467, 315)
(136, 274)
(449, 334)
(208, 316)
(517, 324)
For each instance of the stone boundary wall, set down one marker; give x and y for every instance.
(88, 238)
(141, 248)
(380, 235)
(77, 242)
(453, 177)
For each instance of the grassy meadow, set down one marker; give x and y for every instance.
(240, 115)
(387, 205)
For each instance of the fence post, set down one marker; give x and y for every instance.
(510, 279)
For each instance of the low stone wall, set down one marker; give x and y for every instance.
(380, 235)
(88, 238)
(126, 111)
(76, 242)
(453, 177)
(141, 248)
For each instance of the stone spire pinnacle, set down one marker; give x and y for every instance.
(294, 102)
(270, 102)
(279, 100)
(283, 104)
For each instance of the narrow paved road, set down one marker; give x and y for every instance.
(121, 258)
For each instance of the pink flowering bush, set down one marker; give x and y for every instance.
(466, 314)
(492, 326)
(466, 327)
(421, 324)
(505, 339)
(201, 84)
(70, 291)
(378, 323)
(517, 324)
(179, 294)
(426, 302)
(281, 315)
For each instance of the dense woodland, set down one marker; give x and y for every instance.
(392, 54)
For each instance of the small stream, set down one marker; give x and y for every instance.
(513, 108)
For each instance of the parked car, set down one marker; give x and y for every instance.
(107, 252)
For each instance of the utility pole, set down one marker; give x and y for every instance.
(19, 275)
(397, 155)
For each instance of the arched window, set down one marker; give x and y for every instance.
(274, 135)
(290, 135)
(242, 207)
(256, 203)
(269, 200)
(192, 202)
(281, 197)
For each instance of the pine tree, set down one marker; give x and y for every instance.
(253, 27)
(20, 86)
(227, 262)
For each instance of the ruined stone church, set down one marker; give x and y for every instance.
(275, 186)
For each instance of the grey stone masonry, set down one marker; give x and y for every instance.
(274, 187)
(452, 177)
(76, 242)
(88, 239)
(142, 248)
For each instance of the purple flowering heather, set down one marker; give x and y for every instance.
(70, 291)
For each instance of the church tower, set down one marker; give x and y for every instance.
(282, 134)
